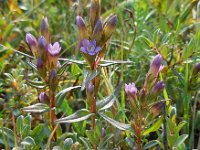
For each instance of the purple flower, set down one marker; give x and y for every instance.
(89, 47)
(158, 87)
(42, 41)
(52, 75)
(54, 49)
(131, 90)
(44, 24)
(156, 108)
(155, 66)
(112, 21)
(31, 40)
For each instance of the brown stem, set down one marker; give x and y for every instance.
(14, 128)
(52, 112)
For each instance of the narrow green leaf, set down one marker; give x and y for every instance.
(28, 141)
(180, 140)
(36, 108)
(62, 94)
(117, 124)
(86, 143)
(154, 127)
(19, 124)
(78, 116)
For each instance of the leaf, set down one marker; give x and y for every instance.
(117, 124)
(180, 125)
(108, 101)
(106, 63)
(28, 141)
(37, 108)
(86, 143)
(35, 84)
(78, 116)
(68, 143)
(19, 124)
(93, 138)
(180, 140)
(37, 133)
(88, 77)
(62, 69)
(153, 143)
(154, 127)
(62, 94)
(9, 134)
(105, 140)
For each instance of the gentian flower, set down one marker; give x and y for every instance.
(54, 49)
(82, 30)
(196, 69)
(97, 32)
(90, 88)
(156, 108)
(39, 63)
(109, 26)
(155, 66)
(89, 47)
(131, 90)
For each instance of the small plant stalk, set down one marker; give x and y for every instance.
(52, 112)
(14, 128)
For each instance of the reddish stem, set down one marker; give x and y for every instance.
(52, 112)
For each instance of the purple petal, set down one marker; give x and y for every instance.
(97, 49)
(93, 43)
(85, 43)
(83, 49)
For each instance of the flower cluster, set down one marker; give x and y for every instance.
(93, 41)
(148, 94)
(46, 53)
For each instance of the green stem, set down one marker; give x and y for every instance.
(4, 138)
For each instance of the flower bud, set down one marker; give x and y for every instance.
(196, 69)
(44, 28)
(42, 42)
(81, 27)
(43, 97)
(97, 32)
(155, 66)
(90, 88)
(32, 42)
(156, 108)
(109, 26)
(158, 87)
(52, 75)
(94, 12)
(39, 64)
(131, 90)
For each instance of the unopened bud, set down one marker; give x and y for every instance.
(43, 97)
(95, 9)
(109, 26)
(158, 87)
(42, 42)
(155, 66)
(97, 32)
(39, 64)
(156, 108)
(31, 40)
(44, 26)
(196, 69)
(81, 27)
(90, 88)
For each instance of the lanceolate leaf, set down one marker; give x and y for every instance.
(88, 77)
(78, 116)
(86, 142)
(154, 127)
(28, 141)
(108, 101)
(180, 140)
(37, 108)
(61, 95)
(117, 124)
(8, 133)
